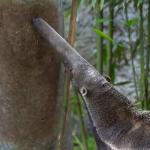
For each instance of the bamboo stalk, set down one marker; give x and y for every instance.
(132, 51)
(73, 24)
(142, 63)
(82, 125)
(147, 60)
(66, 107)
(71, 40)
(99, 15)
(111, 32)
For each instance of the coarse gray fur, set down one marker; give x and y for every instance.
(117, 122)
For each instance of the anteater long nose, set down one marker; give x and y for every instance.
(68, 54)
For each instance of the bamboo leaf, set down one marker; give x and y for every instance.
(102, 34)
(77, 140)
(93, 3)
(105, 20)
(79, 2)
(132, 22)
(67, 13)
(139, 2)
(101, 4)
(122, 83)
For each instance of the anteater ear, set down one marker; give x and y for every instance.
(83, 91)
(107, 77)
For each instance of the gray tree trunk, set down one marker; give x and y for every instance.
(30, 75)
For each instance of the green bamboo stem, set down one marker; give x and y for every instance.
(66, 109)
(82, 125)
(142, 63)
(111, 30)
(132, 52)
(71, 40)
(147, 59)
(99, 15)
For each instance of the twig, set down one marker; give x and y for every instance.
(71, 40)
(83, 130)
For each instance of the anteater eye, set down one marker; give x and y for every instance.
(83, 91)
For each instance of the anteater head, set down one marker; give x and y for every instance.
(85, 77)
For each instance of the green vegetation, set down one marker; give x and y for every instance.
(114, 52)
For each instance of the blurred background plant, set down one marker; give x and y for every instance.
(114, 36)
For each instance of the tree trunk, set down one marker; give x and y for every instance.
(30, 75)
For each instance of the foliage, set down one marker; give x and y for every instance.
(78, 145)
(103, 35)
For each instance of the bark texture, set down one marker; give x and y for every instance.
(30, 88)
